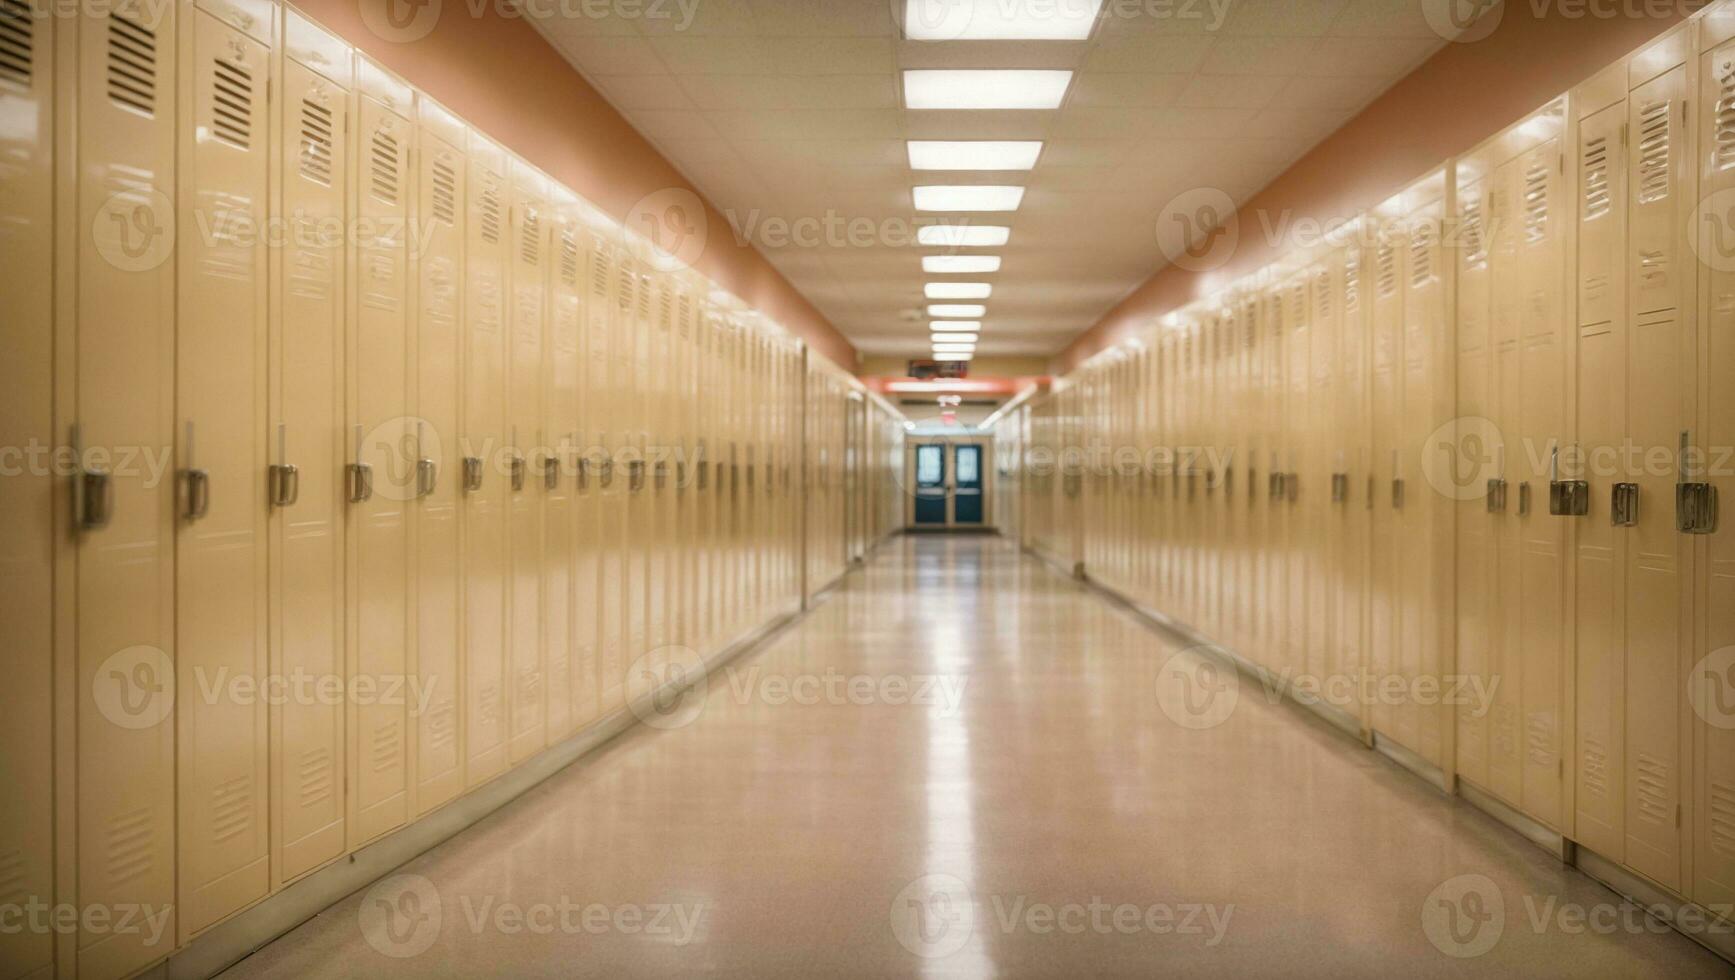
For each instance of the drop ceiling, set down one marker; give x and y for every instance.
(793, 109)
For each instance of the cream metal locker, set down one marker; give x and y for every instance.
(1297, 371)
(305, 440)
(1386, 489)
(27, 494)
(659, 410)
(527, 291)
(482, 473)
(1472, 456)
(382, 471)
(1277, 644)
(436, 736)
(601, 312)
(639, 323)
(1351, 495)
(222, 763)
(1319, 464)
(621, 285)
(119, 332)
(1713, 882)
(589, 400)
(565, 363)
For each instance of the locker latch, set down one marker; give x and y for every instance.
(1339, 487)
(1274, 486)
(1398, 493)
(551, 473)
(472, 474)
(284, 483)
(1292, 486)
(1524, 499)
(518, 472)
(361, 482)
(660, 475)
(1624, 505)
(427, 477)
(95, 490)
(635, 475)
(680, 475)
(1566, 498)
(1228, 483)
(703, 471)
(198, 483)
(1696, 508)
(1497, 496)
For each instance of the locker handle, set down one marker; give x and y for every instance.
(1339, 487)
(472, 474)
(1624, 505)
(95, 489)
(660, 475)
(702, 470)
(680, 476)
(605, 478)
(551, 472)
(1695, 500)
(1292, 486)
(361, 483)
(285, 484)
(198, 494)
(1370, 505)
(1496, 496)
(1524, 499)
(427, 477)
(1398, 493)
(635, 475)
(518, 471)
(1228, 483)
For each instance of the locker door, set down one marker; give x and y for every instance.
(601, 311)
(1600, 602)
(307, 610)
(1318, 519)
(565, 339)
(27, 495)
(527, 290)
(486, 480)
(623, 295)
(1475, 573)
(635, 437)
(660, 581)
(1542, 537)
(1506, 649)
(1297, 369)
(1714, 843)
(1660, 386)
(1280, 642)
(1351, 632)
(222, 763)
(587, 404)
(379, 389)
(1386, 543)
(123, 344)
(440, 203)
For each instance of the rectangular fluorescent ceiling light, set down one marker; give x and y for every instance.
(953, 338)
(960, 236)
(943, 264)
(985, 88)
(966, 310)
(952, 357)
(966, 326)
(968, 197)
(954, 348)
(999, 20)
(958, 290)
(974, 154)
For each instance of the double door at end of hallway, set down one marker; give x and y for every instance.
(948, 484)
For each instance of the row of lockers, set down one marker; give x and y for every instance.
(344, 392)
(1471, 443)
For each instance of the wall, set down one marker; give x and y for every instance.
(1465, 93)
(500, 75)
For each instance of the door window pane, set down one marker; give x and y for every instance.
(928, 463)
(968, 456)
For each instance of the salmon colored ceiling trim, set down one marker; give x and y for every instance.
(499, 74)
(1465, 93)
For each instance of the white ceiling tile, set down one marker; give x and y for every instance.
(1387, 58)
(672, 124)
(828, 56)
(1230, 91)
(686, 55)
(612, 55)
(824, 18)
(630, 93)
(1282, 18)
(1285, 123)
(1197, 124)
(696, 18)
(803, 124)
(788, 92)
(1157, 55)
(949, 125)
(1102, 123)
(1099, 89)
(1259, 56)
(1328, 92)
(1384, 18)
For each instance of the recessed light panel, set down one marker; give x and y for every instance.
(958, 290)
(952, 357)
(974, 154)
(963, 326)
(985, 88)
(968, 197)
(966, 310)
(943, 264)
(999, 20)
(954, 348)
(963, 236)
(953, 338)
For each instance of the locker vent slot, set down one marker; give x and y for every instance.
(1322, 295)
(530, 237)
(384, 157)
(1724, 137)
(646, 284)
(316, 147)
(12, 878)
(315, 776)
(232, 808)
(569, 258)
(624, 291)
(599, 273)
(130, 846)
(1593, 769)
(490, 208)
(1352, 283)
(1652, 791)
(132, 65)
(1422, 256)
(1540, 739)
(686, 313)
(232, 104)
(1386, 262)
(1722, 818)
(665, 310)
(1654, 152)
(1596, 190)
(383, 751)
(1470, 228)
(442, 726)
(445, 188)
(1536, 205)
(17, 42)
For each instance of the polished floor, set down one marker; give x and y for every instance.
(962, 765)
